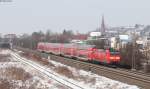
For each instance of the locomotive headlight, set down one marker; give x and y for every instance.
(117, 58)
(112, 57)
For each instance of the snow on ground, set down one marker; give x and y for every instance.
(86, 79)
(16, 75)
(4, 52)
(95, 81)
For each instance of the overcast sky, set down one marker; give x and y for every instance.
(26, 16)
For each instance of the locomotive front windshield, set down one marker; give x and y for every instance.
(113, 51)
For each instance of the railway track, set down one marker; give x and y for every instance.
(48, 73)
(135, 72)
(140, 80)
(126, 76)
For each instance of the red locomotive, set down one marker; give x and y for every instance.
(82, 52)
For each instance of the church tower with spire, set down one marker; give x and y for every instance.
(103, 29)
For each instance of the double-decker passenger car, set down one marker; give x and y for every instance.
(82, 52)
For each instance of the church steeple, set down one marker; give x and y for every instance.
(103, 29)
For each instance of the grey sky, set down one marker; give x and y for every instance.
(26, 16)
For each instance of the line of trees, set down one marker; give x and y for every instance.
(30, 41)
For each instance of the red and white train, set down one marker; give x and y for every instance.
(82, 52)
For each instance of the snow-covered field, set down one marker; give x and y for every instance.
(17, 75)
(87, 80)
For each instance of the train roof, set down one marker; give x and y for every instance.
(79, 46)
